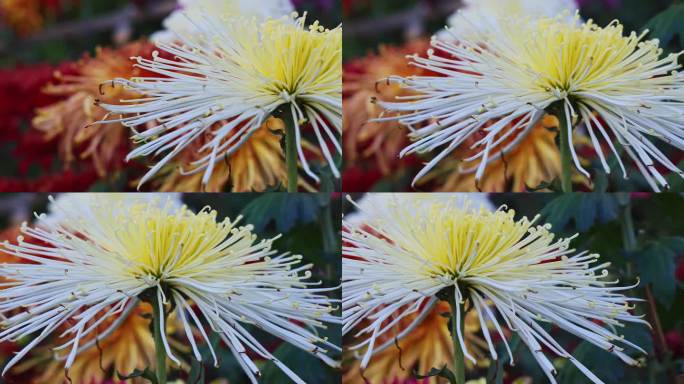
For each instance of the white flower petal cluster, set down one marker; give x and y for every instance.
(476, 16)
(226, 80)
(91, 267)
(179, 22)
(514, 273)
(485, 89)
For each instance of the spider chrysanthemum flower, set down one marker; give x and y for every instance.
(179, 21)
(428, 345)
(364, 139)
(616, 86)
(101, 260)
(130, 346)
(70, 119)
(241, 71)
(478, 15)
(513, 273)
(256, 166)
(534, 161)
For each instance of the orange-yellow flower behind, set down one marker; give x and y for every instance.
(71, 119)
(428, 346)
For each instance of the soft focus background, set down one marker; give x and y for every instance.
(378, 36)
(602, 224)
(45, 41)
(309, 224)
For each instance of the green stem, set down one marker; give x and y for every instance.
(459, 358)
(627, 223)
(158, 343)
(290, 152)
(329, 238)
(566, 156)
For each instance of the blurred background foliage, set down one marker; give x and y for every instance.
(310, 226)
(642, 236)
(68, 28)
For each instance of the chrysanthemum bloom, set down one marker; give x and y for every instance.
(532, 163)
(241, 71)
(101, 261)
(257, 165)
(128, 347)
(410, 257)
(427, 346)
(478, 15)
(178, 23)
(254, 167)
(70, 120)
(364, 138)
(616, 86)
(23, 16)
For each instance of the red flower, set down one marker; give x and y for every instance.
(675, 343)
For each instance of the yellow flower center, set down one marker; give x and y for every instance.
(290, 59)
(561, 56)
(158, 243)
(461, 242)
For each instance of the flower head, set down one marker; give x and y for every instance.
(70, 120)
(239, 71)
(533, 161)
(505, 269)
(618, 87)
(427, 345)
(478, 15)
(257, 165)
(103, 258)
(179, 22)
(127, 347)
(369, 139)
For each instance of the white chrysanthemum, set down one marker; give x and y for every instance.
(217, 274)
(179, 22)
(375, 205)
(478, 15)
(228, 80)
(513, 273)
(617, 87)
(84, 202)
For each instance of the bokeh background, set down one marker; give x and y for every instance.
(309, 224)
(602, 224)
(378, 36)
(43, 42)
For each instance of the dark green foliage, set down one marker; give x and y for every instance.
(656, 265)
(284, 209)
(581, 208)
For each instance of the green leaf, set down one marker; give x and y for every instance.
(656, 266)
(434, 372)
(667, 24)
(285, 209)
(608, 367)
(147, 374)
(584, 209)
